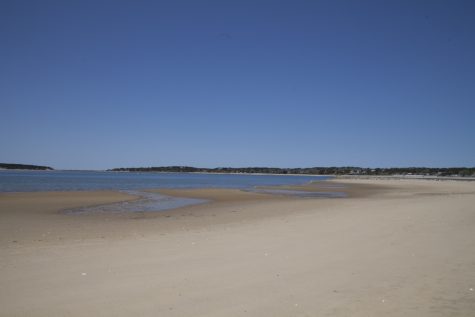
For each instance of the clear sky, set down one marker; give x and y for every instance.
(102, 84)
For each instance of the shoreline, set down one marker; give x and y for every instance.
(328, 176)
(409, 177)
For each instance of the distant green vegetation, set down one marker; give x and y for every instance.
(9, 166)
(426, 171)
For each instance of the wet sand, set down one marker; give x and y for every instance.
(391, 248)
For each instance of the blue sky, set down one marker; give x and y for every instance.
(102, 84)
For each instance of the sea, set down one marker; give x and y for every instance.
(32, 181)
(136, 184)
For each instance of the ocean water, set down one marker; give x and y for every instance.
(136, 183)
(28, 181)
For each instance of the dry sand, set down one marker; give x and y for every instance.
(392, 248)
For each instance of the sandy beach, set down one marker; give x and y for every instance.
(390, 248)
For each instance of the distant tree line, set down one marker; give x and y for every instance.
(24, 167)
(426, 171)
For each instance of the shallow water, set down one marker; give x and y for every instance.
(146, 203)
(150, 202)
(136, 183)
(28, 181)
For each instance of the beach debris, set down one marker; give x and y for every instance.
(83, 274)
(193, 243)
(471, 289)
(296, 305)
(266, 254)
(383, 300)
